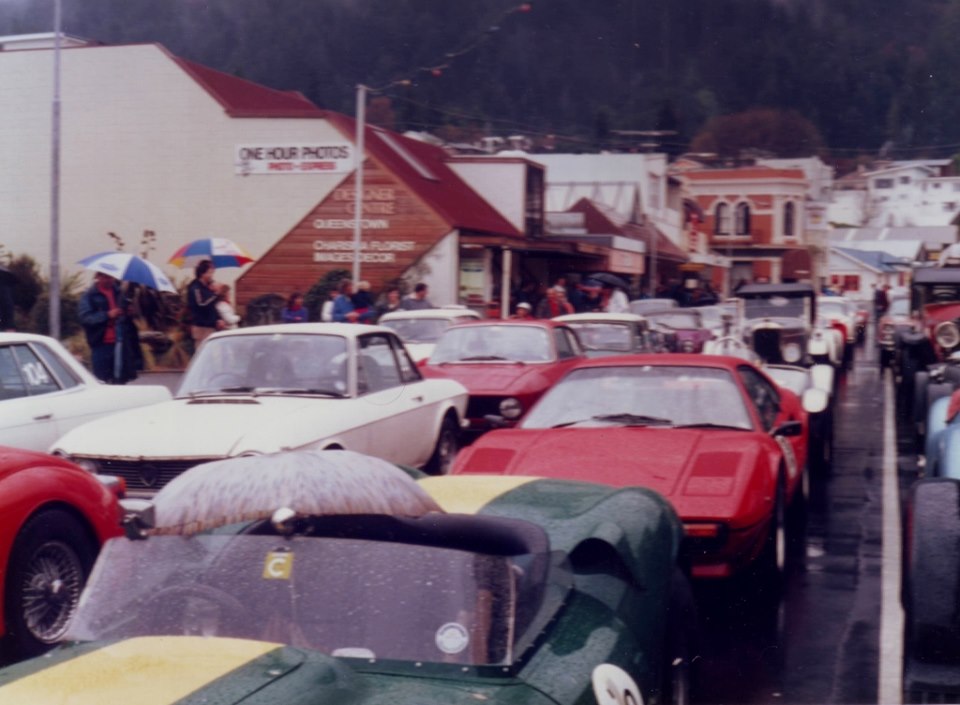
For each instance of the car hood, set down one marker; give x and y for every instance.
(176, 670)
(937, 313)
(207, 427)
(702, 472)
(494, 377)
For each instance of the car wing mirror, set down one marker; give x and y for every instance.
(815, 400)
(139, 516)
(788, 429)
(496, 421)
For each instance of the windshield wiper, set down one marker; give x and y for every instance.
(307, 390)
(624, 418)
(706, 424)
(475, 358)
(224, 390)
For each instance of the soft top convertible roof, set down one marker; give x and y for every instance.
(757, 290)
(936, 275)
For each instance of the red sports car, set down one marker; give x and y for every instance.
(716, 436)
(54, 517)
(506, 365)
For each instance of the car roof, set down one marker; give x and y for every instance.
(936, 275)
(599, 317)
(346, 330)
(445, 313)
(726, 362)
(529, 322)
(794, 289)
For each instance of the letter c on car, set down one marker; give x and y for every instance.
(278, 565)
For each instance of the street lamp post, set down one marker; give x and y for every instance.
(55, 181)
(358, 179)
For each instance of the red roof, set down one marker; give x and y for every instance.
(598, 221)
(745, 173)
(423, 168)
(241, 98)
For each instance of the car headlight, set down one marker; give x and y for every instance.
(947, 335)
(792, 353)
(818, 347)
(91, 466)
(510, 408)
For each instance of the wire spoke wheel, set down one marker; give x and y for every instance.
(50, 590)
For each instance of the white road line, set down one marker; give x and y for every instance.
(889, 687)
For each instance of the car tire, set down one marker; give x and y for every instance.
(445, 449)
(931, 579)
(49, 564)
(678, 672)
(820, 447)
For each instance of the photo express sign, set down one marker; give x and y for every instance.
(333, 158)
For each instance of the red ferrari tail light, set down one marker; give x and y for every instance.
(702, 530)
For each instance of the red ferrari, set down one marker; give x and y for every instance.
(505, 365)
(716, 436)
(54, 517)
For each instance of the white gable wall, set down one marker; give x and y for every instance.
(143, 147)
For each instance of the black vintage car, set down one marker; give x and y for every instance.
(926, 360)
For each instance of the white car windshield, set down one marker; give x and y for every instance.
(776, 307)
(344, 597)
(418, 330)
(642, 395)
(676, 319)
(493, 343)
(287, 361)
(604, 336)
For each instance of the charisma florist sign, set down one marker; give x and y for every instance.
(293, 158)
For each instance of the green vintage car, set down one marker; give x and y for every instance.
(316, 577)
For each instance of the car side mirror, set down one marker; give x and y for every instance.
(139, 516)
(496, 421)
(788, 429)
(815, 400)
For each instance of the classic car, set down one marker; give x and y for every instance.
(820, 407)
(420, 329)
(683, 328)
(714, 435)
(505, 364)
(930, 592)
(719, 318)
(779, 321)
(613, 333)
(45, 392)
(896, 321)
(840, 313)
(927, 354)
(54, 517)
(268, 388)
(447, 590)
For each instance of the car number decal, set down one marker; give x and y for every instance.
(452, 638)
(278, 565)
(614, 686)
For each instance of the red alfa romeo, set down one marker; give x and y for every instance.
(716, 436)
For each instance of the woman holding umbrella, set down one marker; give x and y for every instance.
(102, 313)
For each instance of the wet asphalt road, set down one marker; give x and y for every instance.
(822, 644)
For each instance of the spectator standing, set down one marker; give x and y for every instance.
(111, 335)
(225, 309)
(294, 311)
(592, 299)
(7, 280)
(391, 302)
(417, 301)
(202, 302)
(363, 302)
(614, 299)
(326, 311)
(554, 303)
(881, 302)
(523, 311)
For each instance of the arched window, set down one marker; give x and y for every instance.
(721, 219)
(742, 219)
(789, 217)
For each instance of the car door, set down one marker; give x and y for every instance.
(394, 397)
(28, 408)
(765, 398)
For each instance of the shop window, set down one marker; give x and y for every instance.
(742, 219)
(721, 219)
(789, 218)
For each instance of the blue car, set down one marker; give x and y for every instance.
(942, 438)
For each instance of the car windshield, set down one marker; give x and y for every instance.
(833, 307)
(604, 336)
(792, 378)
(676, 319)
(344, 597)
(671, 395)
(899, 307)
(940, 293)
(418, 330)
(776, 307)
(493, 343)
(712, 316)
(286, 361)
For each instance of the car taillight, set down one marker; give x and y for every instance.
(703, 530)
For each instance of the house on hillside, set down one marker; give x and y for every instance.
(856, 273)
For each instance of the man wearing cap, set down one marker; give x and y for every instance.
(523, 310)
(592, 299)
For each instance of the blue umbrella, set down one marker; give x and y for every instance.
(129, 268)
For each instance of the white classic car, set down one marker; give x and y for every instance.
(270, 388)
(420, 329)
(45, 392)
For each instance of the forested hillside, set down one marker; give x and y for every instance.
(866, 73)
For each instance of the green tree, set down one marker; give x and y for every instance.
(780, 133)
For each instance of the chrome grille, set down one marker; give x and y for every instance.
(147, 475)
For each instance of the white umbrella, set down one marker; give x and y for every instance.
(310, 482)
(129, 268)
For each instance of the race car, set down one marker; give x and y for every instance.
(332, 576)
(54, 516)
